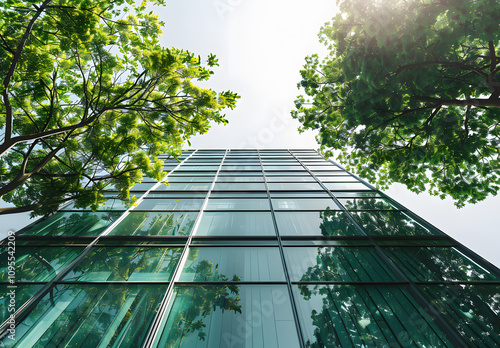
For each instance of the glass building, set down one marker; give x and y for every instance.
(246, 248)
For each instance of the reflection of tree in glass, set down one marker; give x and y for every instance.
(23, 293)
(437, 263)
(73, 224)
(195, 303)
(119, 264)
(473, 310)
(344, 264)
(92, 316)
(37, 264)
(336, 223)
(388, 223)
(330, 267)
(155, 224)
(331, 329)
(359, 316)
(366, 204)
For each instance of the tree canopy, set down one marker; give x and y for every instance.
(410, 93)
(89, 99)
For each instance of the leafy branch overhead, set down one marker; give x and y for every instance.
(88, 96)
(410, 93)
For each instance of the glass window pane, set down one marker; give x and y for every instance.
(21, 294)
(290, 174)
(341, 186)
(110, 204)
(437, 264)
(238, 204)
(304, 204)
(313, 264)
(196, 166)
(143, 186)
(155, 224)
(240, 186)
(170, 204)
(236, 224)
(219, 264)
(283, 167)
(77, 315)
(72, 224)
(247, 194)
(326, 223)
(325, 166)
(338, 178)
(473, 310)
(352, 194)
(243, 173)
(184, 186)
(221, 179)
(240, 168)
(229, 316)
(368, 204)
(290, 186)
(37, 263)
(126, 264)
(390, 223)
(300, 194)
(364, 316)
(175, 179)
(273, 179)
(179, 174)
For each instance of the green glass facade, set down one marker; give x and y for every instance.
(246, 248)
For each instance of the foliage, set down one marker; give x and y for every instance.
(89, 97)
(410, 93)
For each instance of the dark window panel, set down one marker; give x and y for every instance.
(362, 316)
(23, 293)
(316, 264)
(472, 310)
(368, 203)
(391, 223)
(326, 223)
(437, 264)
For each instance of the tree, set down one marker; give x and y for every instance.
(410, 93)
(89, 99)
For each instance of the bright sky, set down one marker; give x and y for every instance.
(261, 47)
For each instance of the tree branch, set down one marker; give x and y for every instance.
(437, 62)
(478, 102)
(26, 208)
(12, 68)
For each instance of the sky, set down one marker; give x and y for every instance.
(261, 46)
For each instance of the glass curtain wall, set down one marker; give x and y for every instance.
(246, 248)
